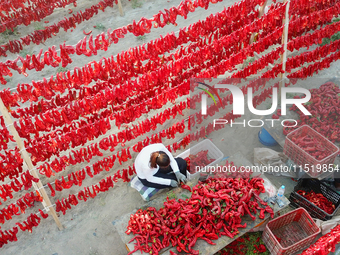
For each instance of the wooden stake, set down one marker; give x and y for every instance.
(120, 7)
(27, 159)
(284, 41)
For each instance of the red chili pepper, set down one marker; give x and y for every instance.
(184, 186)
(70, 11)
(87, 32)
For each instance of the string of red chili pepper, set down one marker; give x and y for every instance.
(5, 136)
(305, 7)
(35, 12)
(9, 5)
(325, 244)
(19, 207)
(6, 190)
(32, 221)
(11, 164)
(214, 209)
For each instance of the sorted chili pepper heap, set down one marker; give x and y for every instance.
(324, 107)
(214, 209)
(319, 200)
(198, 160)
(310, 145)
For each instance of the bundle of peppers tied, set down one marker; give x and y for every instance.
(214, 209)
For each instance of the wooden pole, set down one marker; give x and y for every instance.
(284, 41)
(120, 7)
(27, 159)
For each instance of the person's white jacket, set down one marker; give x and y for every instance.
(143, 168)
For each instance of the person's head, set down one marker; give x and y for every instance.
(159, 158)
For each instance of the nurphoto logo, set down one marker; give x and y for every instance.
(239, 103)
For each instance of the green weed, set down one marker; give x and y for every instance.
(100, 27)
(136, 4)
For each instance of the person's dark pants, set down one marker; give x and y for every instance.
(166, 173)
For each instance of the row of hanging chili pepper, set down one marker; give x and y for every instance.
(9, 5)
(40, 36)
(35, 12)
(306, 40)
(16, 46)
(102, 41)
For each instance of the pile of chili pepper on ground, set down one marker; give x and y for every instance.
(325, 244)
(249, 243)
(311, 146)
(319, 200)
(215, 208)
(324, 107)
(200, 160)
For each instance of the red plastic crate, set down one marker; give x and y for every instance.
(296, 229)
(300, 157)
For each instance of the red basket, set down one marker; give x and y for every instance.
(302, 158)
(296, 229)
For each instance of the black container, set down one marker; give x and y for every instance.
(317, 186)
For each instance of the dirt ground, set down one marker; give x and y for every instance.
(90, 226)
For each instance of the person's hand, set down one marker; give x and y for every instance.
(173, 184)
(180, 177)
